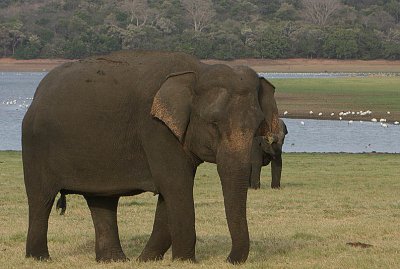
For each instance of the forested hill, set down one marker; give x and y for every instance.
(221, 29)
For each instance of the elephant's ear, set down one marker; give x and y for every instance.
(172, 103)
(268, 106)
(285, 131)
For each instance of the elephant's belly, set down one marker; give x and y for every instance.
(118, 168)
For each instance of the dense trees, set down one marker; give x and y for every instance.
(225, 29)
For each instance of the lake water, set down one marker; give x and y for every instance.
(17, 89)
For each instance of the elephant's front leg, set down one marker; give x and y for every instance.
(173, 175)
(104, 215)
(176, 188)
(181, 219)
(160, 239)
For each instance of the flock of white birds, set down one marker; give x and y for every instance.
(343, 114)
(23, 103)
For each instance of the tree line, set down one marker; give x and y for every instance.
(220, 29)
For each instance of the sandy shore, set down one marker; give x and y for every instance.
(260, 65)
(37, 65)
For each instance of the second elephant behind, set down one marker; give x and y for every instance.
(268, 149)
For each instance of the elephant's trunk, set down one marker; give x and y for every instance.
(256, 163)
(234, 170)
(276, 171)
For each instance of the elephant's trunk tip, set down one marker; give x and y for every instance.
(61, 204)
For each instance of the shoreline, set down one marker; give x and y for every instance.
(35, 65)
(259, 65)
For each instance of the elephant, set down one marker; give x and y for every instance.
(142, 121)
(268, 149)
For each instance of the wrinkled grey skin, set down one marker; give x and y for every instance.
(264, 152)
(142, 121)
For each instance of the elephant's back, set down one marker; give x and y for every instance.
(123, 76)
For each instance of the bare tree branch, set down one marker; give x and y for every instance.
(138, 10)
(319, 11)
(200, 12)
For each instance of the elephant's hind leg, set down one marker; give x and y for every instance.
(39, 211)
(160, 239)
(104, 215)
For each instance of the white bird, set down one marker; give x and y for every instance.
(311, 112)
(396, 123)
(382, 120)
(332, 114)
(388, 112)
(285, 113)
(384, 125)
(350, 122)
(302, 123)
(374, 120)
(320, 114)
(361, 121)
(340, 118)
(341, 113)
(352, 113)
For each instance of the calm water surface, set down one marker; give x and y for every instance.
(17, 89)
(340, 136)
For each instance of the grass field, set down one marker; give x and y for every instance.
(327, 200)
(378, 94)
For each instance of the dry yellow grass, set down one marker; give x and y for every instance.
(327, 200)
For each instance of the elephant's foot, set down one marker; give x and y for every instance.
(184, 254)
(111, 256)
(255, 186)
(275, 185)
(190, 258)
(236, 259)
(40, 256)
(148, 256)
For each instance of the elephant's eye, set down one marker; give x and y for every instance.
(214, 124)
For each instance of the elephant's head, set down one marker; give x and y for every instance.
(215, 112)
(268, 148)
(272, 144)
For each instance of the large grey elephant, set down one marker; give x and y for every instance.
(132, 122)
(268, 149)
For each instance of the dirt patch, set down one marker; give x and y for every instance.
(359, 245)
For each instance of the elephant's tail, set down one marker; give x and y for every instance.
(61, 203)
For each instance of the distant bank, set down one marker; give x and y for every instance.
(260, 65)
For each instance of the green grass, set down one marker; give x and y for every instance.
(327, 200)
(379, 94)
